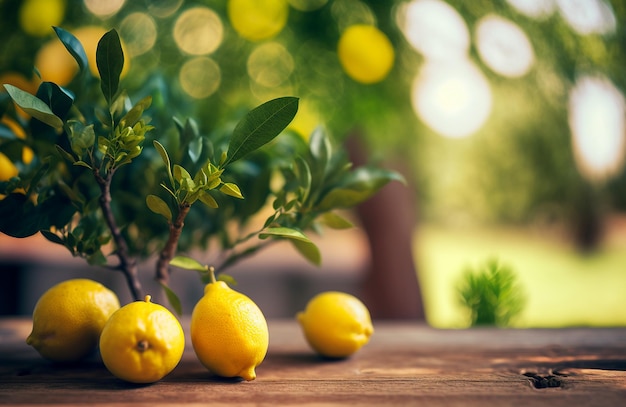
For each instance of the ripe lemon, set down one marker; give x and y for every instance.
(336, 324)
(365, 53)
(8, 170)
(228, 332)
(142, 342)
(68, 319)
(38, 16)
(257, 20)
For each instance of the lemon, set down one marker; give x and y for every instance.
(68, 319)
(336, 324)
(142, 342)
(37, 17)
(8, 170)
(365, 53)
(257, 20)
(228, 332)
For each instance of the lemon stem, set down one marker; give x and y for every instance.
(147, 298)
(212, 278)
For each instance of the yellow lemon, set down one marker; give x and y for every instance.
(68, 319)
(8, 170)
(257, 20)
(365, 53)
(38, 16)
(142, 342)
(228, 332)
(336, 324)
(27, 152)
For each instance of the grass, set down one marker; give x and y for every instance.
(563, 287)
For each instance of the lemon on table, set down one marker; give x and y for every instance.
(142, 342)
(69, 317)
(365, 53)
(229, 332)
(336, 324)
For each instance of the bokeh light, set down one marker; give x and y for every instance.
(597, 122)
(198, 31)
(257, 20)
(307, 5)
(270, 64)
(163, 8)
(434, 29)
(351, 12)
(200, 77)
(454, 99)
(534, 8)
(503, 46)
(140, 33)
(104, 8)
(588, 16)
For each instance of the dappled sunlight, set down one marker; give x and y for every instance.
(104, 8)
(200, 77)
(198, 31)
(434, 29)
(534, 8)
(503, 46)
(588, 16)
(453, 99)
(596, 118)
(139, 30)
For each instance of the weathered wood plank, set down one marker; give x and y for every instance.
(403, 365)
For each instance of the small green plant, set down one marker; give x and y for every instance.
(491, 294)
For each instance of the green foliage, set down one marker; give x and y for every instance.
(72, 193)
(491, 294)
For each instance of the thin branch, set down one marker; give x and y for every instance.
(169, 250)
(127, 264)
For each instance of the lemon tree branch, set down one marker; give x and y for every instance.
(169, 250)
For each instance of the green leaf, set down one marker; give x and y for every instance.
(110, 61)
(187, 263)
(173, 299)
(34, 106)
(64, 154)
(334, 221)
(309, 251)
(208, 200)
(303, 173)
(183, 177)
(357, 187)
(158, 206)
(135, 113)
(283, 232)
(195, 149)
(227, 278)
(52, 237)
(73, 45)
(260, 126)
(231, 190)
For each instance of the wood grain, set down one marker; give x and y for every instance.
(404, 364)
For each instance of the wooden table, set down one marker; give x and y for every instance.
(404, 364)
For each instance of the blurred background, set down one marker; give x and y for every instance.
(507, 117)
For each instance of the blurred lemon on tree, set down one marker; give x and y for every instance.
(228, 332)
(142, 342)
(257, 20)
(365, 53)
(37, 17)
(55, 64)
(8, 170)
(27, 152)
(336, 324)
(68, 319)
